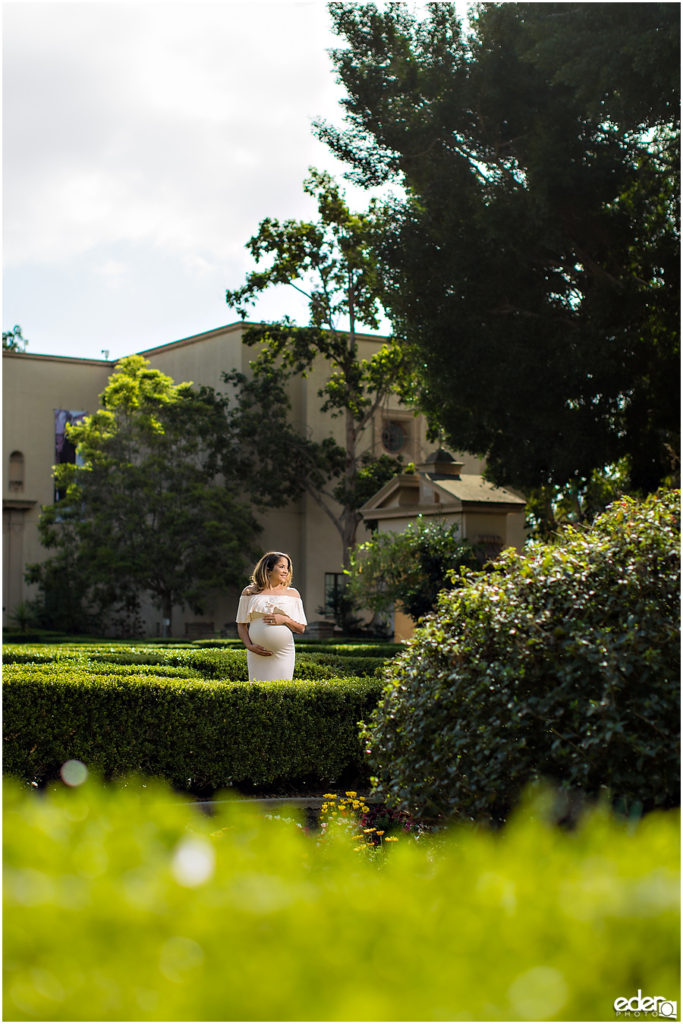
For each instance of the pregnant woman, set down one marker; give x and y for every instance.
(270, 610)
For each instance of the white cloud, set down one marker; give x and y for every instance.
(112, 273)
(143, 143)
(173, 123)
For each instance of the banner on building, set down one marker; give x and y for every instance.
(65, 450)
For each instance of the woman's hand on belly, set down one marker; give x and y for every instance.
(263, 652)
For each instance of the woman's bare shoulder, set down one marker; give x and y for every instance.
(293, 592)
(250, 590)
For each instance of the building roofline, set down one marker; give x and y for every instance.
(31, 356)
(192, 339)
(489, 492)
(401, 479)
(237, 325)
(497, 497)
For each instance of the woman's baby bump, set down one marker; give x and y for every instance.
(273, 638)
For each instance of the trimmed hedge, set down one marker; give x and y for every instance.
(341, 665)
(229, 665)
(381, 649)
(211, 662)
(371, 649)
(114, 704)
(201, 735)
(48, 671)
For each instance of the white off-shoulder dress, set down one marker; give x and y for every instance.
(278, 639)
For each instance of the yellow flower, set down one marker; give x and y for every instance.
(380, 832)
(368, 829)
(351, 793)
(391, 839)
(329, 796)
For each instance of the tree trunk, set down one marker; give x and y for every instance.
(349, 516)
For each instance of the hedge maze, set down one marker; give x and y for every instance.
(188, 714)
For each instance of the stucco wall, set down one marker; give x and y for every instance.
(35, 385)
(33, 388)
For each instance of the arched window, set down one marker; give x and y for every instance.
(16, 471)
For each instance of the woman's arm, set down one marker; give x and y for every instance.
(278, 619)
(243, 633)
(281, 620)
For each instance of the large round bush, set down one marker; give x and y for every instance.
(562, 664)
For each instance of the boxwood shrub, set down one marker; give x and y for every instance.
(48, 671)
(342, 664)
(200, 734)
(563, 664)
(214, 662)
(352, 648)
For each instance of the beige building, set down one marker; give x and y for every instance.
(41, 392)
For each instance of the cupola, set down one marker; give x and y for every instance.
(441, 463)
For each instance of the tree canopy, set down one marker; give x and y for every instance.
(330, 260)
(14, 340)
(531, 264)
(148, 508)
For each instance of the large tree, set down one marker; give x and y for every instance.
(531, 264)
(331, 261)
(148, 508)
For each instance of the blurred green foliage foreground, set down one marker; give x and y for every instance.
(126, 903)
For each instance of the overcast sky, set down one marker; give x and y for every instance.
(143, 143)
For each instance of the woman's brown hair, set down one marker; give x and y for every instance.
(265, 565)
